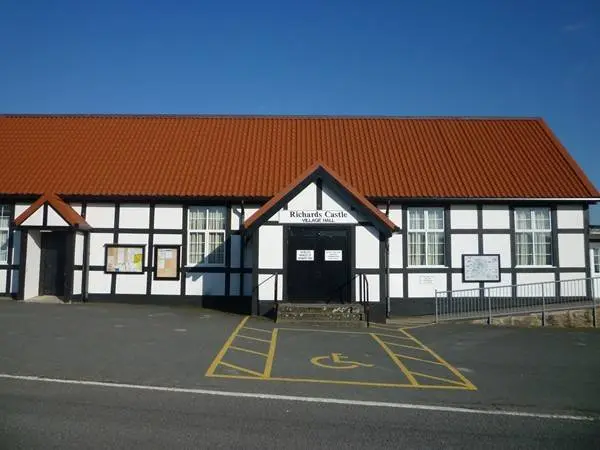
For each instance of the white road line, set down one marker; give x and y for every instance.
(293, 398)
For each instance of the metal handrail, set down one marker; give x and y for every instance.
(525, 298)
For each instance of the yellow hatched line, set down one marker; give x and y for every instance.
(399, 355)
(399, 363)
(258, 329)
(342, 382)
(221, 354)
(403, 345)
(253, 338)
(254, 352)
(271, 355)
(393, 336)
(241, 369)
(445, 380)
(451, 368)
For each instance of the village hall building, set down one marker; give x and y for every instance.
(238, 212)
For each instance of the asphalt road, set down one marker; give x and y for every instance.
(42, 416)
(524, 379)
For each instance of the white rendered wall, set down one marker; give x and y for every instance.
(32, 266)
(331, 200)
(266, 290)
(571, 250)
(99, 282)
(467, 289)
(98, 243)
(54, 219)
(535, 290)
(168, 217)
(165, 287)
(575, 288)
(463, 217)
(306, 199)
(77, 279)
(100, 215)
(498, 244)
(463, 244)
(395, 255)
(502, 288)
(425, 284)
(394, 213)
(131, 284)
(20, 208)
(3, 275)
(373, 285)
(367, 248)
(205, 284)
(496, 217)
(167, 239)
(78, 256)
(270, 247)
(396, 285)
(569, 216)
(36, 219)
(134, 216)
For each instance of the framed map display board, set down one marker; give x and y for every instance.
(166, 262)
(122, 258)
(481, 268)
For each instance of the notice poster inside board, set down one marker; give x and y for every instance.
(166, 262)
(121, 258)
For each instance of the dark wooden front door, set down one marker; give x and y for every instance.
(318, 265)
(52, 263)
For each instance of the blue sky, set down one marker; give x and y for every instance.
(492, 57)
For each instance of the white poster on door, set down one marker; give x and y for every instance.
(333, 255)
(305, 255)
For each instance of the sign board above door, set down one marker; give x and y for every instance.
(316, 216)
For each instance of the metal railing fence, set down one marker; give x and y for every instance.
(497, 301)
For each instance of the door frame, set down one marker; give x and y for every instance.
(351, 243)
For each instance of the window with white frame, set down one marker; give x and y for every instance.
(596, 258)
(533, 233)
(426, 245)
(206, 235)
(4, 221)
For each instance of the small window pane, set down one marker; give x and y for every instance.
(542, 219)
(523, 219)
(435, 219)
(216, 249)
(216, 219)
(597, 260)
(435, 250)
(196, 248)
(416, 219)
(416, 249)
(4, 217)
(3, 246)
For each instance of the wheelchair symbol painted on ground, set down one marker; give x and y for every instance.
(337, 361)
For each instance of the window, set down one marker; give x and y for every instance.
(4, 221)
(426, 237)
(533, 237)
(596, 253)
(206, 235)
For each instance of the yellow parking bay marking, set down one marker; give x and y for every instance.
(241, 369)
(262, 368)
(258, 329)
(467, 383)
(400, 355)
(253, 338)
(219, 357)
(271, 355)
(247, 350)
(399, 363)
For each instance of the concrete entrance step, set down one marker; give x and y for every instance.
(331, 314)
(45, 299)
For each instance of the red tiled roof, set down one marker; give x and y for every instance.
(204, 156)
(357, 196)
(65, 210)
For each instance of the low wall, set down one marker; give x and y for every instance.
(576, 318)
